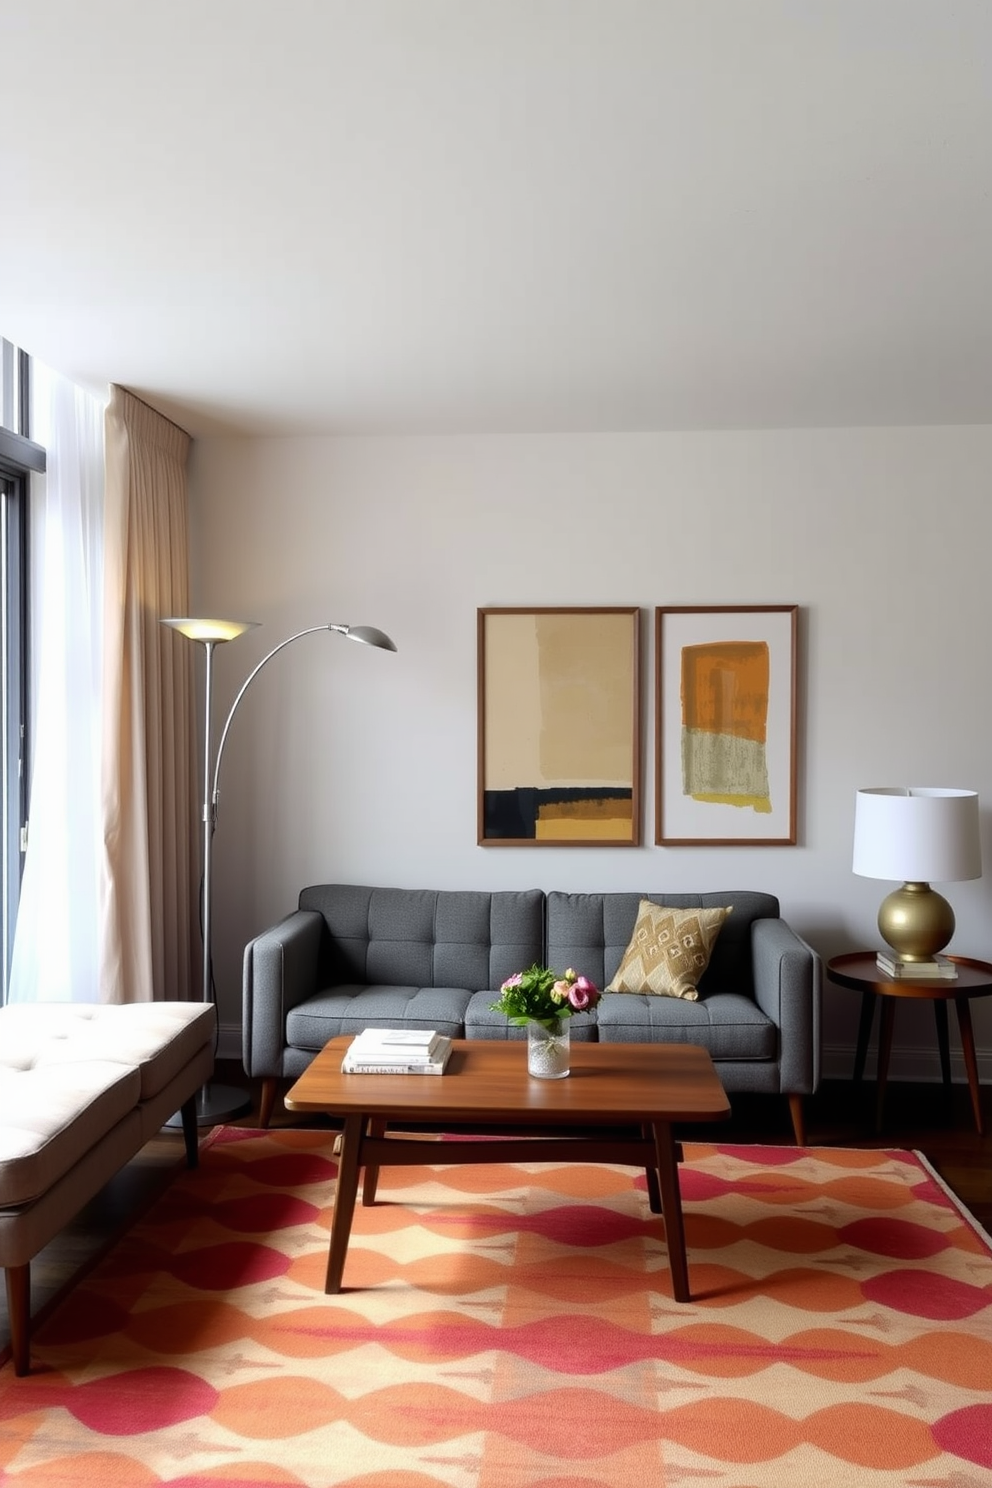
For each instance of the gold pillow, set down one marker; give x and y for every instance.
(668, 951)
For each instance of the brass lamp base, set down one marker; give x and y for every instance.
(916, 922)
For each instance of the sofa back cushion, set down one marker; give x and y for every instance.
(426, 937)
(592, 931)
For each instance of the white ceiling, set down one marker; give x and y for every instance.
(508, 215)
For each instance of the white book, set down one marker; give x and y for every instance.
(940, 969)
(357, 1063)
(408, 1046)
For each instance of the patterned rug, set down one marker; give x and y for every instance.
(513, 1327)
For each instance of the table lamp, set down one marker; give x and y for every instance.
(917, 834)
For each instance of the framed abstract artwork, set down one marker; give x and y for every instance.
(559, 727)
(725, 725)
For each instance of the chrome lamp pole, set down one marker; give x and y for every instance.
(217, 1103)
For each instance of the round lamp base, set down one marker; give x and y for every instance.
(916, 922)
(216, 1104)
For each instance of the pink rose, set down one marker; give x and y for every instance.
(582, 994)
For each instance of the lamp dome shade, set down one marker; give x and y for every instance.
(370, 635)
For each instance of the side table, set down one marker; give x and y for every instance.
(858, 971)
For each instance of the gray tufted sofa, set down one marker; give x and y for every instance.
(353, 957)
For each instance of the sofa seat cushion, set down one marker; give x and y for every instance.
(727, 1024)
(351, 1007)
(51, 1114)
(158, 1038)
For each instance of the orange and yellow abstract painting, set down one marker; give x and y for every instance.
(724, 689)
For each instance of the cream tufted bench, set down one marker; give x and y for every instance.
(82, 1088)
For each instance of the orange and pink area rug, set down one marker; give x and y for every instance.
(513, 1327)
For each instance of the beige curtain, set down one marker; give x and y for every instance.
(149, 936)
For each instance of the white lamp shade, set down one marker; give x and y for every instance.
(209, 630)
(917, 834)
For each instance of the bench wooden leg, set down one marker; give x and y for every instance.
(18, 1280)
(798, 1119)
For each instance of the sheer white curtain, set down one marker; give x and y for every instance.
(56, 939)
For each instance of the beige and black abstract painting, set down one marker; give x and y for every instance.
(559, 727)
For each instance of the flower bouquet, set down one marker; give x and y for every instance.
(542, 1002)
(540, 995)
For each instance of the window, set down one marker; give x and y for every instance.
(19, 458)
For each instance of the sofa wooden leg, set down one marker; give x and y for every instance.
(191, 1132)
(18, 1280)
(270, 1089)
(798, 1119)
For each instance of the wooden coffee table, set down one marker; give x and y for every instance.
(647, 1087)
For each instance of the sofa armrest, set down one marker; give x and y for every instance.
(280, 972)
(787, 988)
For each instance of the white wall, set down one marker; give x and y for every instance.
(351, 764)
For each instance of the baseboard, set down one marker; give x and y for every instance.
(907, 1062)
(229, 1041)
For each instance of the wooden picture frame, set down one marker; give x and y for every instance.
(725, 725)
(559, 727)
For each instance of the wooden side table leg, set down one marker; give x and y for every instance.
(671, 1200)
(888, 1018)
(943, 1043)
(970, 1062)
(344, 1199)
(864, 1034)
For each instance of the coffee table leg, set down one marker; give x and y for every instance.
(370, 1178)
(671, 1200)
(651, 1174)
(344, 1199)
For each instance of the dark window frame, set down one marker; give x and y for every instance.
(20, 458)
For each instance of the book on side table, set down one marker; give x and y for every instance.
(397, 1051)
(939, 969)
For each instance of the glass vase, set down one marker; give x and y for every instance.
(548, 1049)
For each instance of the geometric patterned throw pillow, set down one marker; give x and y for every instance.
(668, 951)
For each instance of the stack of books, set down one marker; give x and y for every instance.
(397, 1051)
(939, 969)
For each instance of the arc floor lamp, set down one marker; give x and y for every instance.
(222, 1102)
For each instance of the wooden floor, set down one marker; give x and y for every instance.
(923, 1117)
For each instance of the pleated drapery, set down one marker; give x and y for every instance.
(149, 938)
(55, 955)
